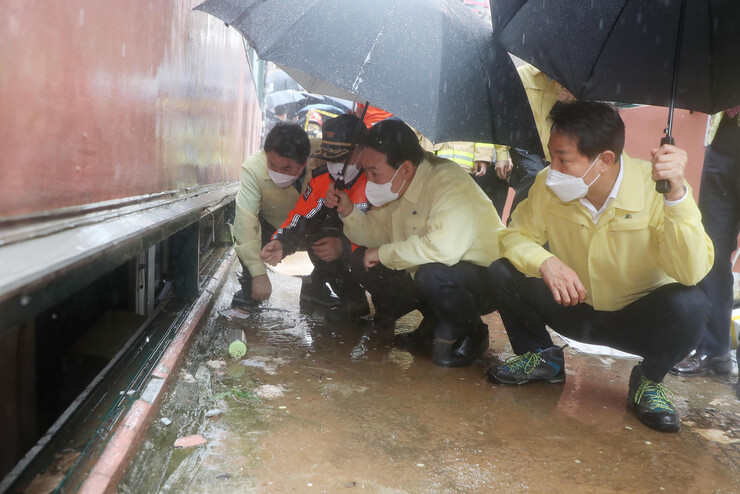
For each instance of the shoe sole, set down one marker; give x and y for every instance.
(552, 380)
(657, 427)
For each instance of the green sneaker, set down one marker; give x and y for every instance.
(652, 402)
(543, 365)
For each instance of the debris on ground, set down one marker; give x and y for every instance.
(716, 435)
(268, 364)
(218, 366)
(165, 421)
(234, 313)
(190, 441)
(213, 413)
(240, 395)
(268, 391)
(187, 377)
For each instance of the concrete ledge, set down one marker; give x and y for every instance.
(42, 270)
(129, 435)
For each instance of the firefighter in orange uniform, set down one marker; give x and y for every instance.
(318, 229)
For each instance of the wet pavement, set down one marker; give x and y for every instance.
(318, 408)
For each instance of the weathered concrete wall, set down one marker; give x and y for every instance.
(103, 100)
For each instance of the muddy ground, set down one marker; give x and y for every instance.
(318, 408)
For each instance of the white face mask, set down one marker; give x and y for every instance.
(281, 179)
(335, 170)
(379, 194)
(567, 187)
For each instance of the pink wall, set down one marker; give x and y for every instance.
(104, 99)
(645, 125)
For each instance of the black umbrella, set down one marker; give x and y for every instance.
(674, 53)
(431, 63)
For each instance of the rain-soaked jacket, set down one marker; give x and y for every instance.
(309, 221)
(442, 217)
(465, 154)
(258, 195)
(542, 92)
(638, 244)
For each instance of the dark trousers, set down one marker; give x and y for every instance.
(336, 273)
(662, 327)
(454, 296)
(496, 189)
(719, 203)
(393, 291)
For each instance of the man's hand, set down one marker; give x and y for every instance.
(272, 253)
(328, 248)
(371, 258)
(563, 282)
(503, 168)
(480, 168)
(261, 287)
(339, 199)
(669, 163)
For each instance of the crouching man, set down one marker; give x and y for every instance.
(272, 180)
(622, 264)
(432, 220)
(316, 228)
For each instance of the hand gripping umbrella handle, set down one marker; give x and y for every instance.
(664, 186)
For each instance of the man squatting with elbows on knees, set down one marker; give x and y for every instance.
(622, 265)
(313, 226)
(272, 180)
(431, 219)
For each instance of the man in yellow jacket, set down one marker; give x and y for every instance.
(272, 180)
(622, 266)
(430, 219)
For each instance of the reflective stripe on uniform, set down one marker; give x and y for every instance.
(463, 158)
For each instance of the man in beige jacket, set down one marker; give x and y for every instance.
(272, 181)
(432, 220)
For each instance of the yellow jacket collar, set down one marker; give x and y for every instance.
(631, 196)
(413, 193)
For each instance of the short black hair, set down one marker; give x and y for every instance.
(597, 126)
(289, 140)
(396, 141)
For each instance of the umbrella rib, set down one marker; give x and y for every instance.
(606, 38)
(712, 63)
(358, 79)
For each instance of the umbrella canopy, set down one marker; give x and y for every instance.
(625, 50)
(431, 63)
(280, 81)
(286, 97)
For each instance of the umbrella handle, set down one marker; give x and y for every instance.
(664, 186)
